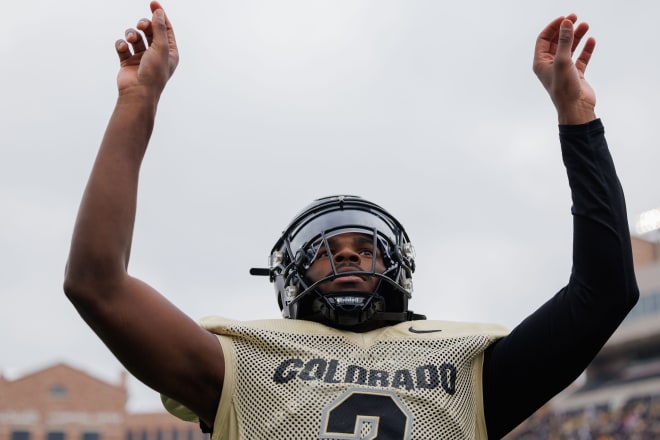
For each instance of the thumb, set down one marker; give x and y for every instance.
(565, 42)
(159, 27)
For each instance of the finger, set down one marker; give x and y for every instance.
(546, 42)
(136, 41)
(549, 33)
(580, 31)
(144, 25)
(588, 50)
(123, 50)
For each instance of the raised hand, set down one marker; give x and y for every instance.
(564, 79)
(147, 62)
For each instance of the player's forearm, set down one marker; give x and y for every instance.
(601, 259)
(102, 235)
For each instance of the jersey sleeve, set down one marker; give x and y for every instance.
(551, 347)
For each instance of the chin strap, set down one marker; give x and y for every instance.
(398, 316)
(347, 321)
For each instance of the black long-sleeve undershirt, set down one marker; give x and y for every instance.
(551, 348)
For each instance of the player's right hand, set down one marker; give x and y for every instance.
(560, 75)
(147, 62)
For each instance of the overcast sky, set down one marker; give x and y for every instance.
(428, 108)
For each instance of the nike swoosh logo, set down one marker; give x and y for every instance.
(412, 330)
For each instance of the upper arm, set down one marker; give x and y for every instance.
(155, 341)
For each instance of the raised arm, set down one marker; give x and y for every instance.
(550, 348)
(154, 340)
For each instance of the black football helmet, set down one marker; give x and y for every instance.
(297, 249)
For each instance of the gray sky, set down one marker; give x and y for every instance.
(428, 108)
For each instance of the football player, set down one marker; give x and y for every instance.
(350, 361)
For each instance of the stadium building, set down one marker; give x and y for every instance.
(63, 403)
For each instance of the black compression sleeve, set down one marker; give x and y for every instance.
(550, 348)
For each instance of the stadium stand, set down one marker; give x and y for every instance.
(618, 396)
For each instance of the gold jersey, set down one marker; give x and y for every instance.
(294, 379)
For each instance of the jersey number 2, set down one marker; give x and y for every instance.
(360, 414)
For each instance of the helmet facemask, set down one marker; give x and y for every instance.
(344, 307)
(313, 230)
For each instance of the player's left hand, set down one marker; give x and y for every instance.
(564, 79)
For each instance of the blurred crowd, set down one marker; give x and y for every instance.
(637, 419)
